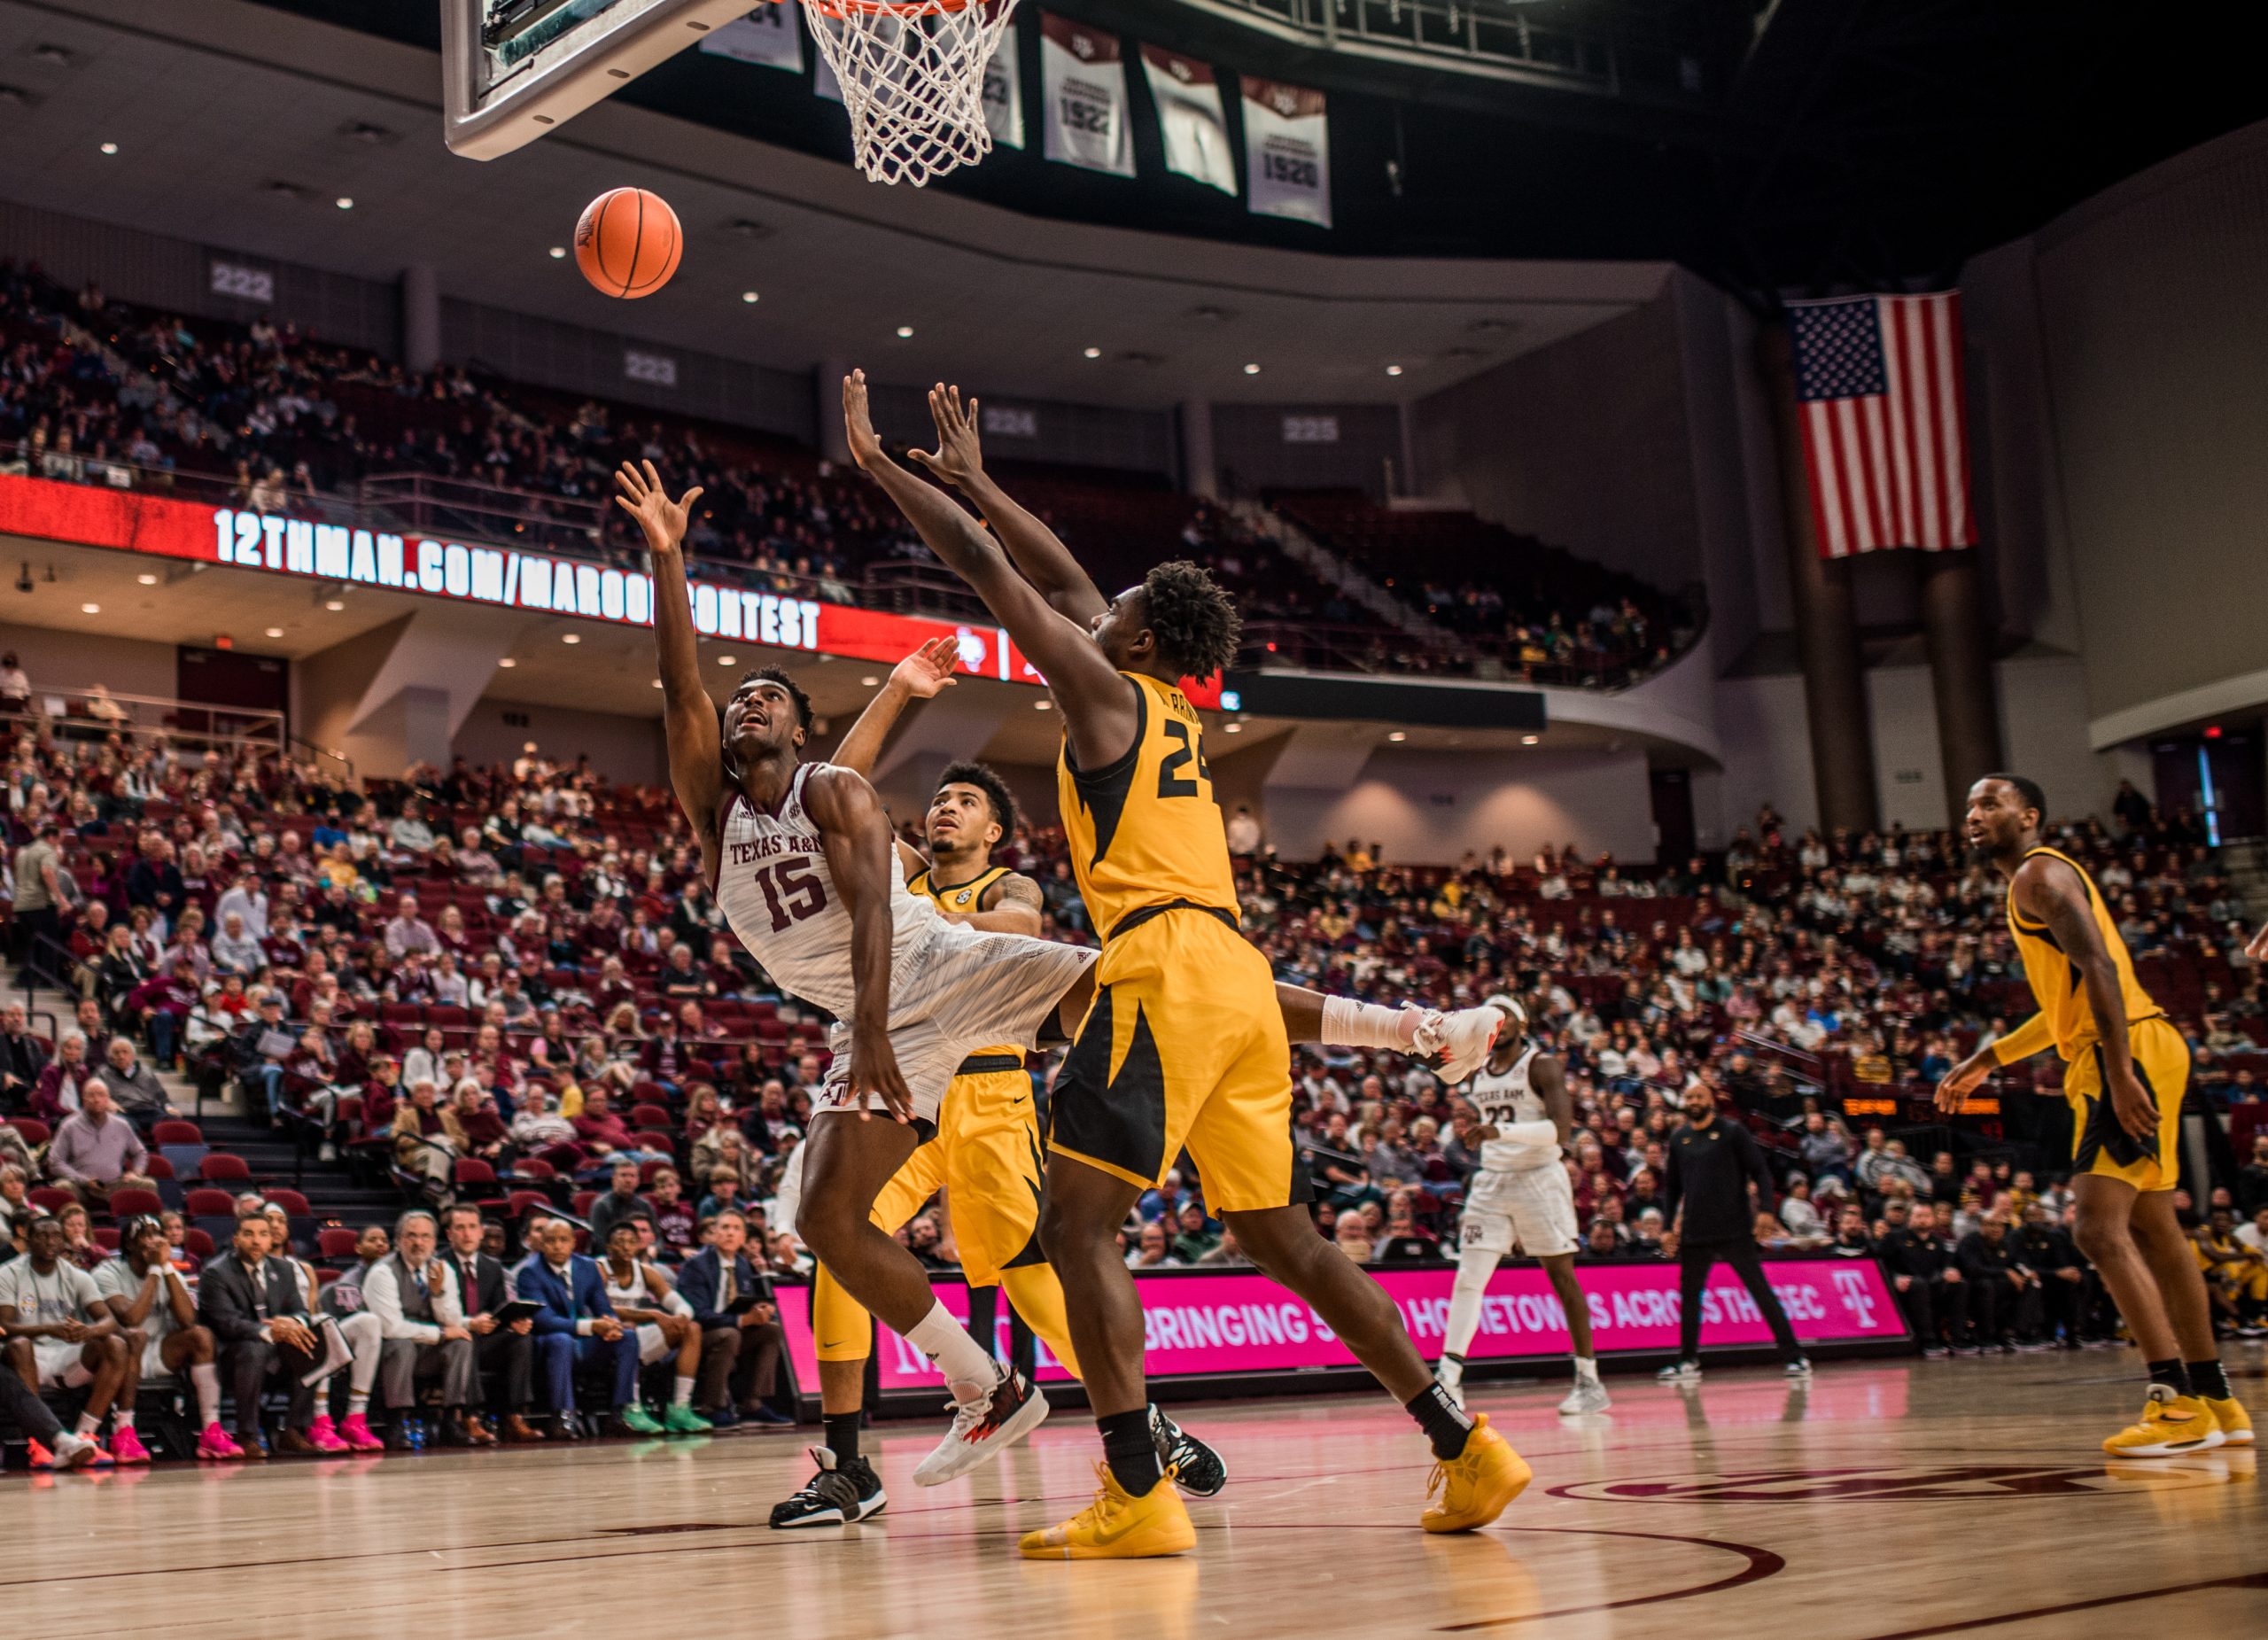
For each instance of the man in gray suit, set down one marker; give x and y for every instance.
(421, 1317)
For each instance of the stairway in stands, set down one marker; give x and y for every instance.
(333, 1193)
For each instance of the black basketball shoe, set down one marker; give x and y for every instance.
(1196, 1468)
(838, 1494)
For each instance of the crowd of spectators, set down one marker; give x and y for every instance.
(509, 990)
(98, 390)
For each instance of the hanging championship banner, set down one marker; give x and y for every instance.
(1287, 151)
(1004, 92)
(1083, 74)
(1189, 117)
(770, 37)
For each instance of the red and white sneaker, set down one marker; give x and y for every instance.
(325, 1437)
(1457, 1044)
(71, 1452)
(218, 1443)
(983, 1428)
(126, 1447)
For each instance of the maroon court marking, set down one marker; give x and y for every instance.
(1890, 1483)
(2243, 1580)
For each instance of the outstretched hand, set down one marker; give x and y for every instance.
(958, 458)
(643, 497)
(858, 422)
(929, 669)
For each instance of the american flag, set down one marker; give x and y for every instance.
(1878, 380)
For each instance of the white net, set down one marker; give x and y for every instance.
(913, 77)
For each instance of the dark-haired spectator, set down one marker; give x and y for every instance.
(577, 1324)
(23, 1056)
(253, 1308)
(503, 1352)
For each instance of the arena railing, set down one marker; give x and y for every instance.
(97, 713)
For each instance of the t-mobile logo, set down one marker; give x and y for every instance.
(1858, 1297)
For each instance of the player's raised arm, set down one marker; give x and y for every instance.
(1101, 712)
(1032, 547)
(696, 747)
(855, 836)
(926, 673)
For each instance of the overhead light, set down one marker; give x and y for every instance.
(558, 253)
(748, 296)
(1042, 706)
(370, 135)
(146, 579)
(726, 660)
(871, 681)
(1232, 728)
(109, 148)
(90, 608)
(1398, 735)
(1092, 353)
(344, 203)
(335, 604)
(274, 632)
(507, 662)
(1252, 370)
(904, 332)
(571, 637)
(746, 229)
(1530, 740)
(1393, 369)
(657, 683)
(1210, 314)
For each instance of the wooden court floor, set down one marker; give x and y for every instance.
(1891, 1502)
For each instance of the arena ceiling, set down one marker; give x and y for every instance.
(210, 103)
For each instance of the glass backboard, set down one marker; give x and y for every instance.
(514, 69)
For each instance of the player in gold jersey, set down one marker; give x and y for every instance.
(2125, 1070)
(1184, 1042)
(987, 1155)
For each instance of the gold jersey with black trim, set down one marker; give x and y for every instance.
(1184, 1045)
(2100, 1144)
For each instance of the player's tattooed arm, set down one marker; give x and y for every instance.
(1012, 905)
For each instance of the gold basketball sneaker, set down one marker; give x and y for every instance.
(2236, 1422)
(1477, 1483)
(1116, 1526)
(2170, 1425)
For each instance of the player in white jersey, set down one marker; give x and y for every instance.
(1520, 1193)
(805, 869)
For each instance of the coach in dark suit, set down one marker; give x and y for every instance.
(577, 1325)
(504, 1352)
(253, 1305)
(740, 1354)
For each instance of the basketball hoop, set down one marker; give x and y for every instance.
(913, 78)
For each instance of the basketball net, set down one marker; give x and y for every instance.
(913, 78)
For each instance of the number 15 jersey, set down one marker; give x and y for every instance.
(776, 892)
(1145, 833)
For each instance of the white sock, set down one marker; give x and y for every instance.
(681, 1391)
(969, 1371)
(1349, 1023)
(1474, 1267)
(357, 1405)
(88, 1424)
(205, 1377)
(122, 1420)
(1587, 1368)
(1450, 1371)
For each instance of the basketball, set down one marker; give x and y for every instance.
(628, 243)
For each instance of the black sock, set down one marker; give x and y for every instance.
(841, 1437)
(1130, 1449)
(2209, 1380)
(1438, 1415)
(2169, 1374)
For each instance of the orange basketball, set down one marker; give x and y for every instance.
(628, 242)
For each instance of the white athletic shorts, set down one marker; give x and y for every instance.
(1534, 1207)
(960, 989)
(651, 1345)
(59, 1364)
(153, 1359)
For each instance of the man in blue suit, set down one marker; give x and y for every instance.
(577, 1325)
(740, 1346)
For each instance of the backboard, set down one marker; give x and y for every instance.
(513, 69)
